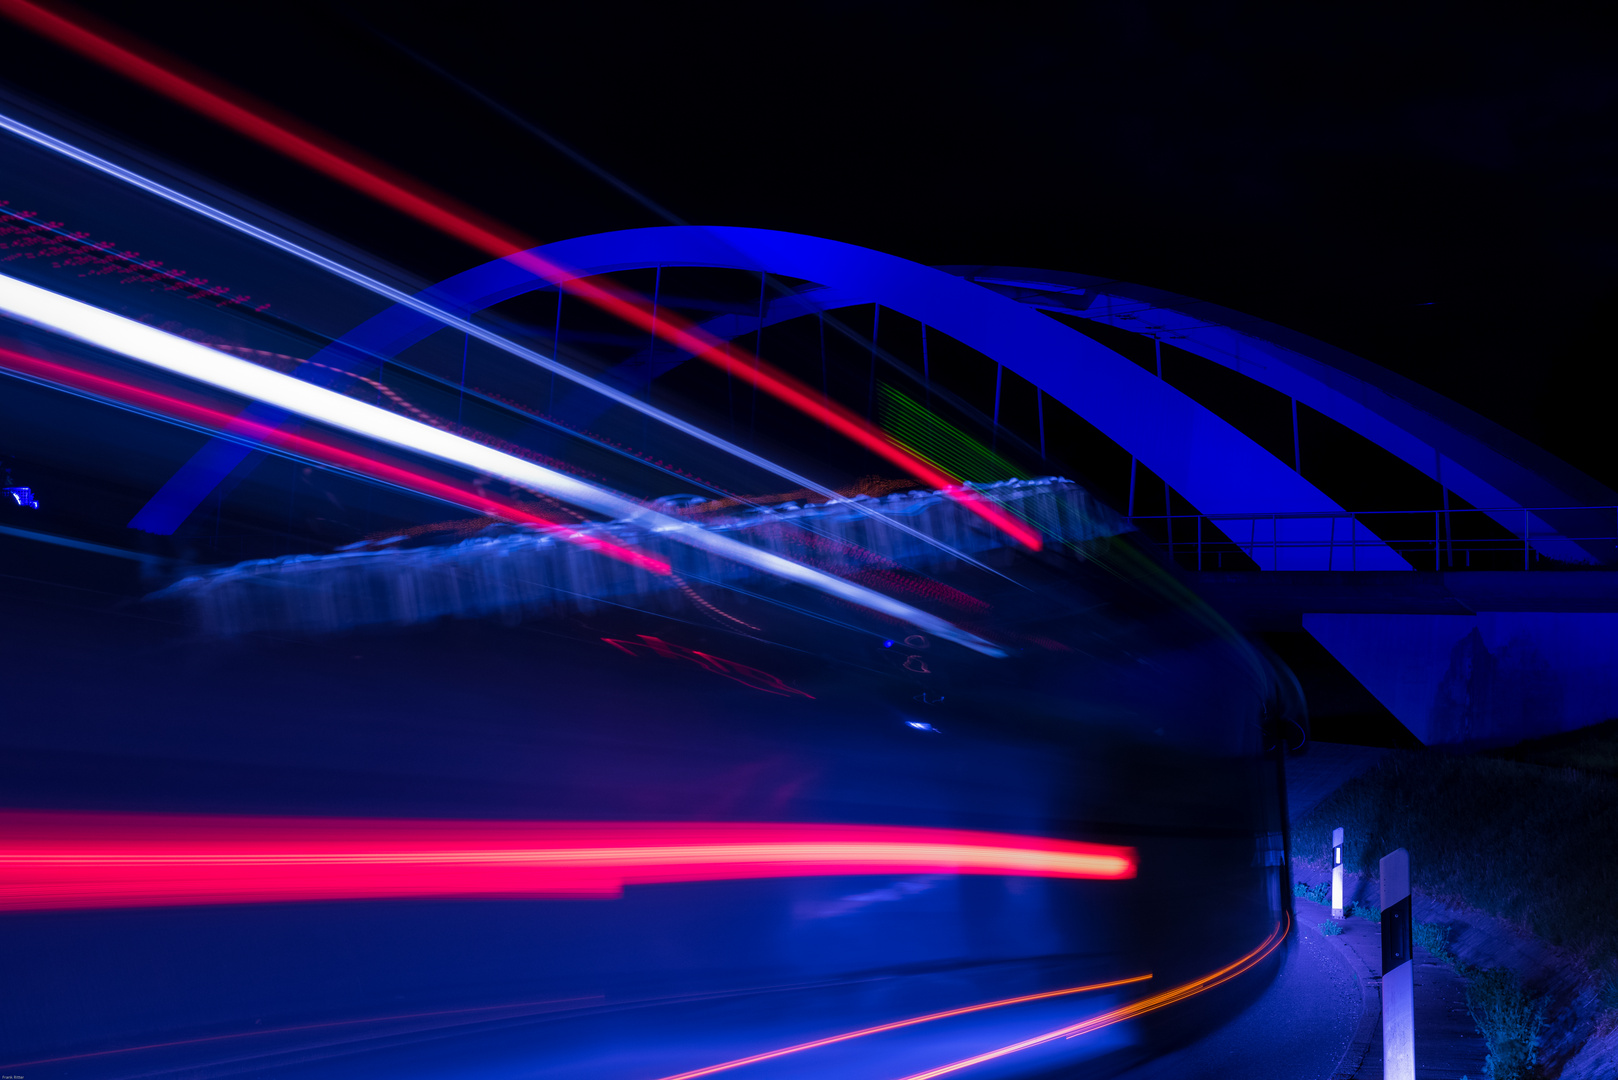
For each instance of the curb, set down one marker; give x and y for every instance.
(1370, 1025)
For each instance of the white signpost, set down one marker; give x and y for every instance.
(1398, 990)
(1337, 872)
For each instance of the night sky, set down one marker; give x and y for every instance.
(1429, 186)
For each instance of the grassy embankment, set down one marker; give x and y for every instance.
(1528, 834)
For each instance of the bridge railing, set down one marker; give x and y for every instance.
(1513, 538)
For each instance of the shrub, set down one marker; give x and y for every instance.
(1509, 1018)
(1364, 910)
(1329, 928)
(1320, 894)
(1435, 939)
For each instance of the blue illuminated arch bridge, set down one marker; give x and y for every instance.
(1034, 324)
(1262, 502)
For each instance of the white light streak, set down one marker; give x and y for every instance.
(160, 349)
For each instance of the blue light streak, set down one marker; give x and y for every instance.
(438, 314)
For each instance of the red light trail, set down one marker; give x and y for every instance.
(268, 126)
(730, 669)
(31, 238)
(316, 448)
(52, 860)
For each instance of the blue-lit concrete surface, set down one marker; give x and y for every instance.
(1493, 677)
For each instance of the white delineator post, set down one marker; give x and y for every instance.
(1398, 990)
(1337, 873)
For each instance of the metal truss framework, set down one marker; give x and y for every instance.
(998, 312)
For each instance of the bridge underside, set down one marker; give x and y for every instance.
(1460, 659)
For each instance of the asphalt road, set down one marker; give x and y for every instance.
(1298, 1029)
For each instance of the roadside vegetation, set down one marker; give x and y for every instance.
(1320, 894)
(1510, 1019)
(1529, 835)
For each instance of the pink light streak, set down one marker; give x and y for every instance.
(32, 238)
(301, 142)
(317, 448)
(730, 669)
(53, 860)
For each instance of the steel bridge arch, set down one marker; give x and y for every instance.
(1216, 467)
(998, 312)
(1474, 458)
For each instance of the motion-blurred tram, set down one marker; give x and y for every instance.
(1125, 722)
(617, 769)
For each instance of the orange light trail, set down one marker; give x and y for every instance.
(897, 1024)
(1123, 1012)
(264, 124)
(52, 860)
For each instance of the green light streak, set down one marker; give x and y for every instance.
(939, 443)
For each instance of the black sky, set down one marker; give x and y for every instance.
(1430, 186)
